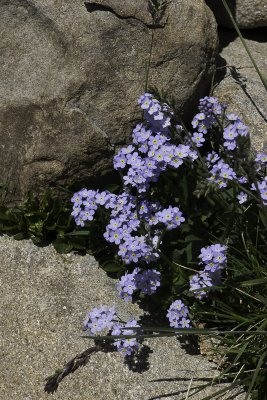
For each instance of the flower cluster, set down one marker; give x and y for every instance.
(177, 315)
(127, 218)
(159, 115)
(199, 282)
(213, 114)
(147, 281)
(99, 319)
(151, 152)
(214, 259)
(128, 345)
(144, 160)
(123, 224)
(261, 167)
(122, 230)
(261, 159)
(136, 225)
(262, 188)
(233, 129)
(171, 217)
(137, 222)
(220, 171)
(84, 206)
(151, 157)
(105, 319)
(210, 109)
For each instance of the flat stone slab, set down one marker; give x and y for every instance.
(241, 86)
(44, 298)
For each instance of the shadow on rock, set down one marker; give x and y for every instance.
(138, 362)
(227, 36)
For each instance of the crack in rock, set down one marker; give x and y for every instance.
(96, 6)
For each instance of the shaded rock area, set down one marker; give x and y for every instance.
(247, 13)
(240, 85)
(71, 75)
(44, 297)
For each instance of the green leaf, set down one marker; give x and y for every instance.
(19, 236)
(263, 216)
(188, 252)
(254, 282)
(3, 217)
(261, 298)
(77, 242)
(193, 238)
(111, 266)
(256, 373)
(78, 233)
(12, 228)
(112, 187)
(36, 240)
(61, 246)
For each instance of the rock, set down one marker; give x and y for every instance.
(239, 84)
(72, 73)
(44, 298)
(248, 14)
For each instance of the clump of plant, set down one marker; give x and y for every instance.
(188, 230)
(43, 220)
(47, 219)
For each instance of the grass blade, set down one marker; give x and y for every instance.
(255, 375)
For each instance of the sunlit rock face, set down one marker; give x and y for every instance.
(71, 75)
(247, 13)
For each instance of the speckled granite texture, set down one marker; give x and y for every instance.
(44, 297)
(241, 86)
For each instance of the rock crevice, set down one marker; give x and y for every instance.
(94, 6)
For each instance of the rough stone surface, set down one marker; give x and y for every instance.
(71, 75)
(44, 297)
(240, 85)
(248, 14)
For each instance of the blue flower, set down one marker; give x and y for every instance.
(125, 346)
(214, 259)
(242, 197)
(145, 280)
(177, 314)
(99, 319)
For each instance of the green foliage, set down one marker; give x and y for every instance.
(42, 220)
(241, 303)
(47, 219)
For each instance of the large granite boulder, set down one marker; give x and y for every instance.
(44, 298)
(248, 14)
(239, 84)
(72, 72)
